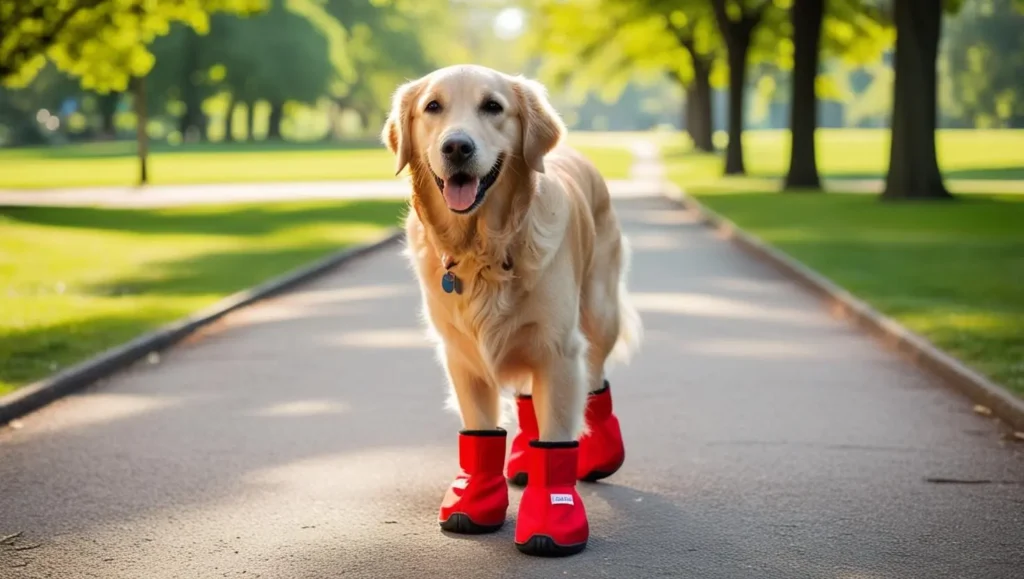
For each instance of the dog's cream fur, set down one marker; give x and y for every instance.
(550, 323)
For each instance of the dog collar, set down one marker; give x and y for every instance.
(451, 282)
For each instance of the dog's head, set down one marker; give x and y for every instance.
(470, 127)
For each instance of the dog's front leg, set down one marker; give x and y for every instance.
(478, 499)
(559, 392)
(479, 402)
(552, 519)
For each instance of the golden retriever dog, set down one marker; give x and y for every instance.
(521, 265)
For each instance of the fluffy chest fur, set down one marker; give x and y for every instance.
(493, 325)
(486, 319)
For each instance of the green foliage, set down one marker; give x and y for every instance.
(292, 51)
(386, 44)
(603, 43)
(19, 108)
(855, 32)
(982, 57)
(102, 42)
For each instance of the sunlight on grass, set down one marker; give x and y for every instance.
(612, 162)
(77, 281)
(972, 160)
(198, 167)
(953, 272)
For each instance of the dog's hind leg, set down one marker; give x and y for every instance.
(602, 451)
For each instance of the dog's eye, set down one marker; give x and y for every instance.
(491, 107)
(433, 107)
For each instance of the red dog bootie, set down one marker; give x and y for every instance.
(478, 499)
(518, 458)
(552, 521)
(601, 449)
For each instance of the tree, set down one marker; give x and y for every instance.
(913, 164)
(855, 33)
(182, 78)
(808, 16)
(102, 42)
(983, 56)
(387, 44)
(19, 108)
(604, 43)
(294, 51)
(737, 22)
(695, 31)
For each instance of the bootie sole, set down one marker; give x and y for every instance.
(544, 546)
(461, 524)
(519, 479)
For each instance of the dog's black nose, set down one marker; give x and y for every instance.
(458, 148)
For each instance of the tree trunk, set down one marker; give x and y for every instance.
(250, 121)
(108, 108)
(141, 119)
(365, 122)
(229, 120)
(738, 50)
(807, 17)
(192, 124)
(913, 165)
(737, 35)
(698, 106)
(276, 116)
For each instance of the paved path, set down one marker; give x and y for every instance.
(642, 180)
(305, 438)
(178, 195)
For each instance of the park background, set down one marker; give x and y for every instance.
(776, 113)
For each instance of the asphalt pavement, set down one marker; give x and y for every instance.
(306, 437)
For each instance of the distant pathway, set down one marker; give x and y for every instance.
(153, 196)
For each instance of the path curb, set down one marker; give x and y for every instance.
(844, 305)
(39, 394)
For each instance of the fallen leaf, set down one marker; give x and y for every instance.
(983, 410)
(16, 424)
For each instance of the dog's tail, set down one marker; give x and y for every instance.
(630, 326)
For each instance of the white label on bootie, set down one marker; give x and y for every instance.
(459, 483)
(561, 499)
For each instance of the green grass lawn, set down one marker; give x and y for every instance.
(99, 164)
(953, 272)
(965, 156)
(77, 281)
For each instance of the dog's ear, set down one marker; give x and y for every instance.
(397, 135)
(542, 127)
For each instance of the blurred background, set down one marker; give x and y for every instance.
(742, 102)
(322, 71)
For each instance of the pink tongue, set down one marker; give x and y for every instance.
(460, 197)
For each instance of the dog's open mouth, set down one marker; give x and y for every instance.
(463, 192)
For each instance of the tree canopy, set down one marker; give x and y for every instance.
(982, 57)
(102, 42)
